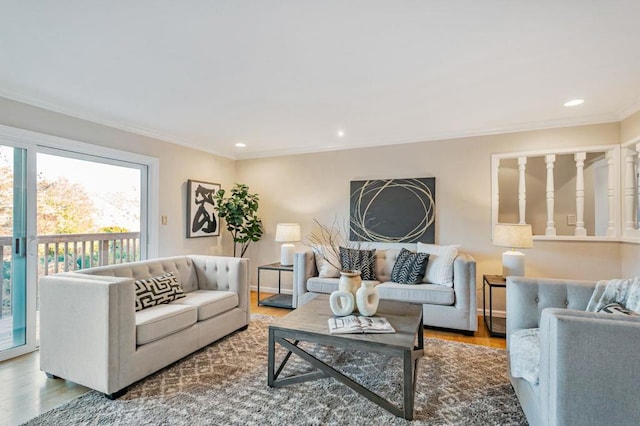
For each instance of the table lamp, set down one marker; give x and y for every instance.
(514, 236)
(287, 233)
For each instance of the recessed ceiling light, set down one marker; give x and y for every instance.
(241, 145)
(574, 102)
(340, 133)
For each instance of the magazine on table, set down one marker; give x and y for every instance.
(356, 324)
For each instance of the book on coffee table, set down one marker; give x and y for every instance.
(356, 324)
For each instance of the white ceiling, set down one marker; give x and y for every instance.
(283, 76)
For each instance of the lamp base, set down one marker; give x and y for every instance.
(286, 254)
(512, 264)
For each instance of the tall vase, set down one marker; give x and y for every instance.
(349, 281)
(367, 299)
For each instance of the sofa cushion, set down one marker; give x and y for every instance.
(385, 259)
(160, 321)
(157, 290)
(359, 260)
(524, 354)
(440, 266)
(327, 285)
(409, 267)
(324, 266)
(419, 293)
(210, 303)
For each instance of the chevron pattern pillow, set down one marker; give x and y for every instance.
(157, 290)
(359, 260)
(409, 267)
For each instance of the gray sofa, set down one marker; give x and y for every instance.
(447, 307)
(92, 335)
(588, 366)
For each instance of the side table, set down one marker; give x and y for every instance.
(496, 326)
(277, 300)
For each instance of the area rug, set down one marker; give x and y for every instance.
(226, 384)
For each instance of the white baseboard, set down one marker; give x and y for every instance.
(496, 313)
(270, 289)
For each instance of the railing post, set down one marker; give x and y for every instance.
(522, 189)
(104, 252)
(579, 158)
(551, 228)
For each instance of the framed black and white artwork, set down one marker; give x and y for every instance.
(202, 218)
(393, 210)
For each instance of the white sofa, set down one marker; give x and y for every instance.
(447, 307)
(92, 335)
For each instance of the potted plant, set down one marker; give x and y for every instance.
(239, 212)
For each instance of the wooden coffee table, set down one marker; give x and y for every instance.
(308, 323)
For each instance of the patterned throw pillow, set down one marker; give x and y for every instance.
(409, 267)
(157, 290)
(359, 260)
(617, 308)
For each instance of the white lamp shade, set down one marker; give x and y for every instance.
(286, 232)
(513, 235)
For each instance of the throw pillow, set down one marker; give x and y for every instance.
(359, 260)
(157, 290)
(440, 266)
(617, 308)
(409, 267)
(325, 269)
(624, 291)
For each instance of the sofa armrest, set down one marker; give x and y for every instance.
(588, 368)
(304, 267)
(528, 297)
(101, 313)
(464, 282)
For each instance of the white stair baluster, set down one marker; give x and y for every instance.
(550, 229)
(579, 158)
(522, 191)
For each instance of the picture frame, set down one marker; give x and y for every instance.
(202, 217)
(393, 210)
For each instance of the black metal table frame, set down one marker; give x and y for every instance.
(280, 269)
(489, 323)
(289, 340)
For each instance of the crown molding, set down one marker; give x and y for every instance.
(118, 125)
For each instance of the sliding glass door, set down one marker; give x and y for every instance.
(65, 206)
(17, 331)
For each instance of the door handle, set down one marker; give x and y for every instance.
(20, 247)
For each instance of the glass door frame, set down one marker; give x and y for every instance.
(34, 142)
(31, 340)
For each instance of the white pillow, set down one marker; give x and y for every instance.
(325, 269)
(440, 264)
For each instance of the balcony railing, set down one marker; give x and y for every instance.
(70, 252)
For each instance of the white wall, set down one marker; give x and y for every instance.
(177, 164)
(302, 187)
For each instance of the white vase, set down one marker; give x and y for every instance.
(367, 299)
(349, 281)
(342, 303)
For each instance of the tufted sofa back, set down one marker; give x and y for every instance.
(189, 270)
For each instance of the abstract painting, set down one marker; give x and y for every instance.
(203, 220)
(393, 210)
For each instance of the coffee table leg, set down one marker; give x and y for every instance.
(271, 358)
(408, 366)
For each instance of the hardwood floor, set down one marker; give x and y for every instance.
(26, 392)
